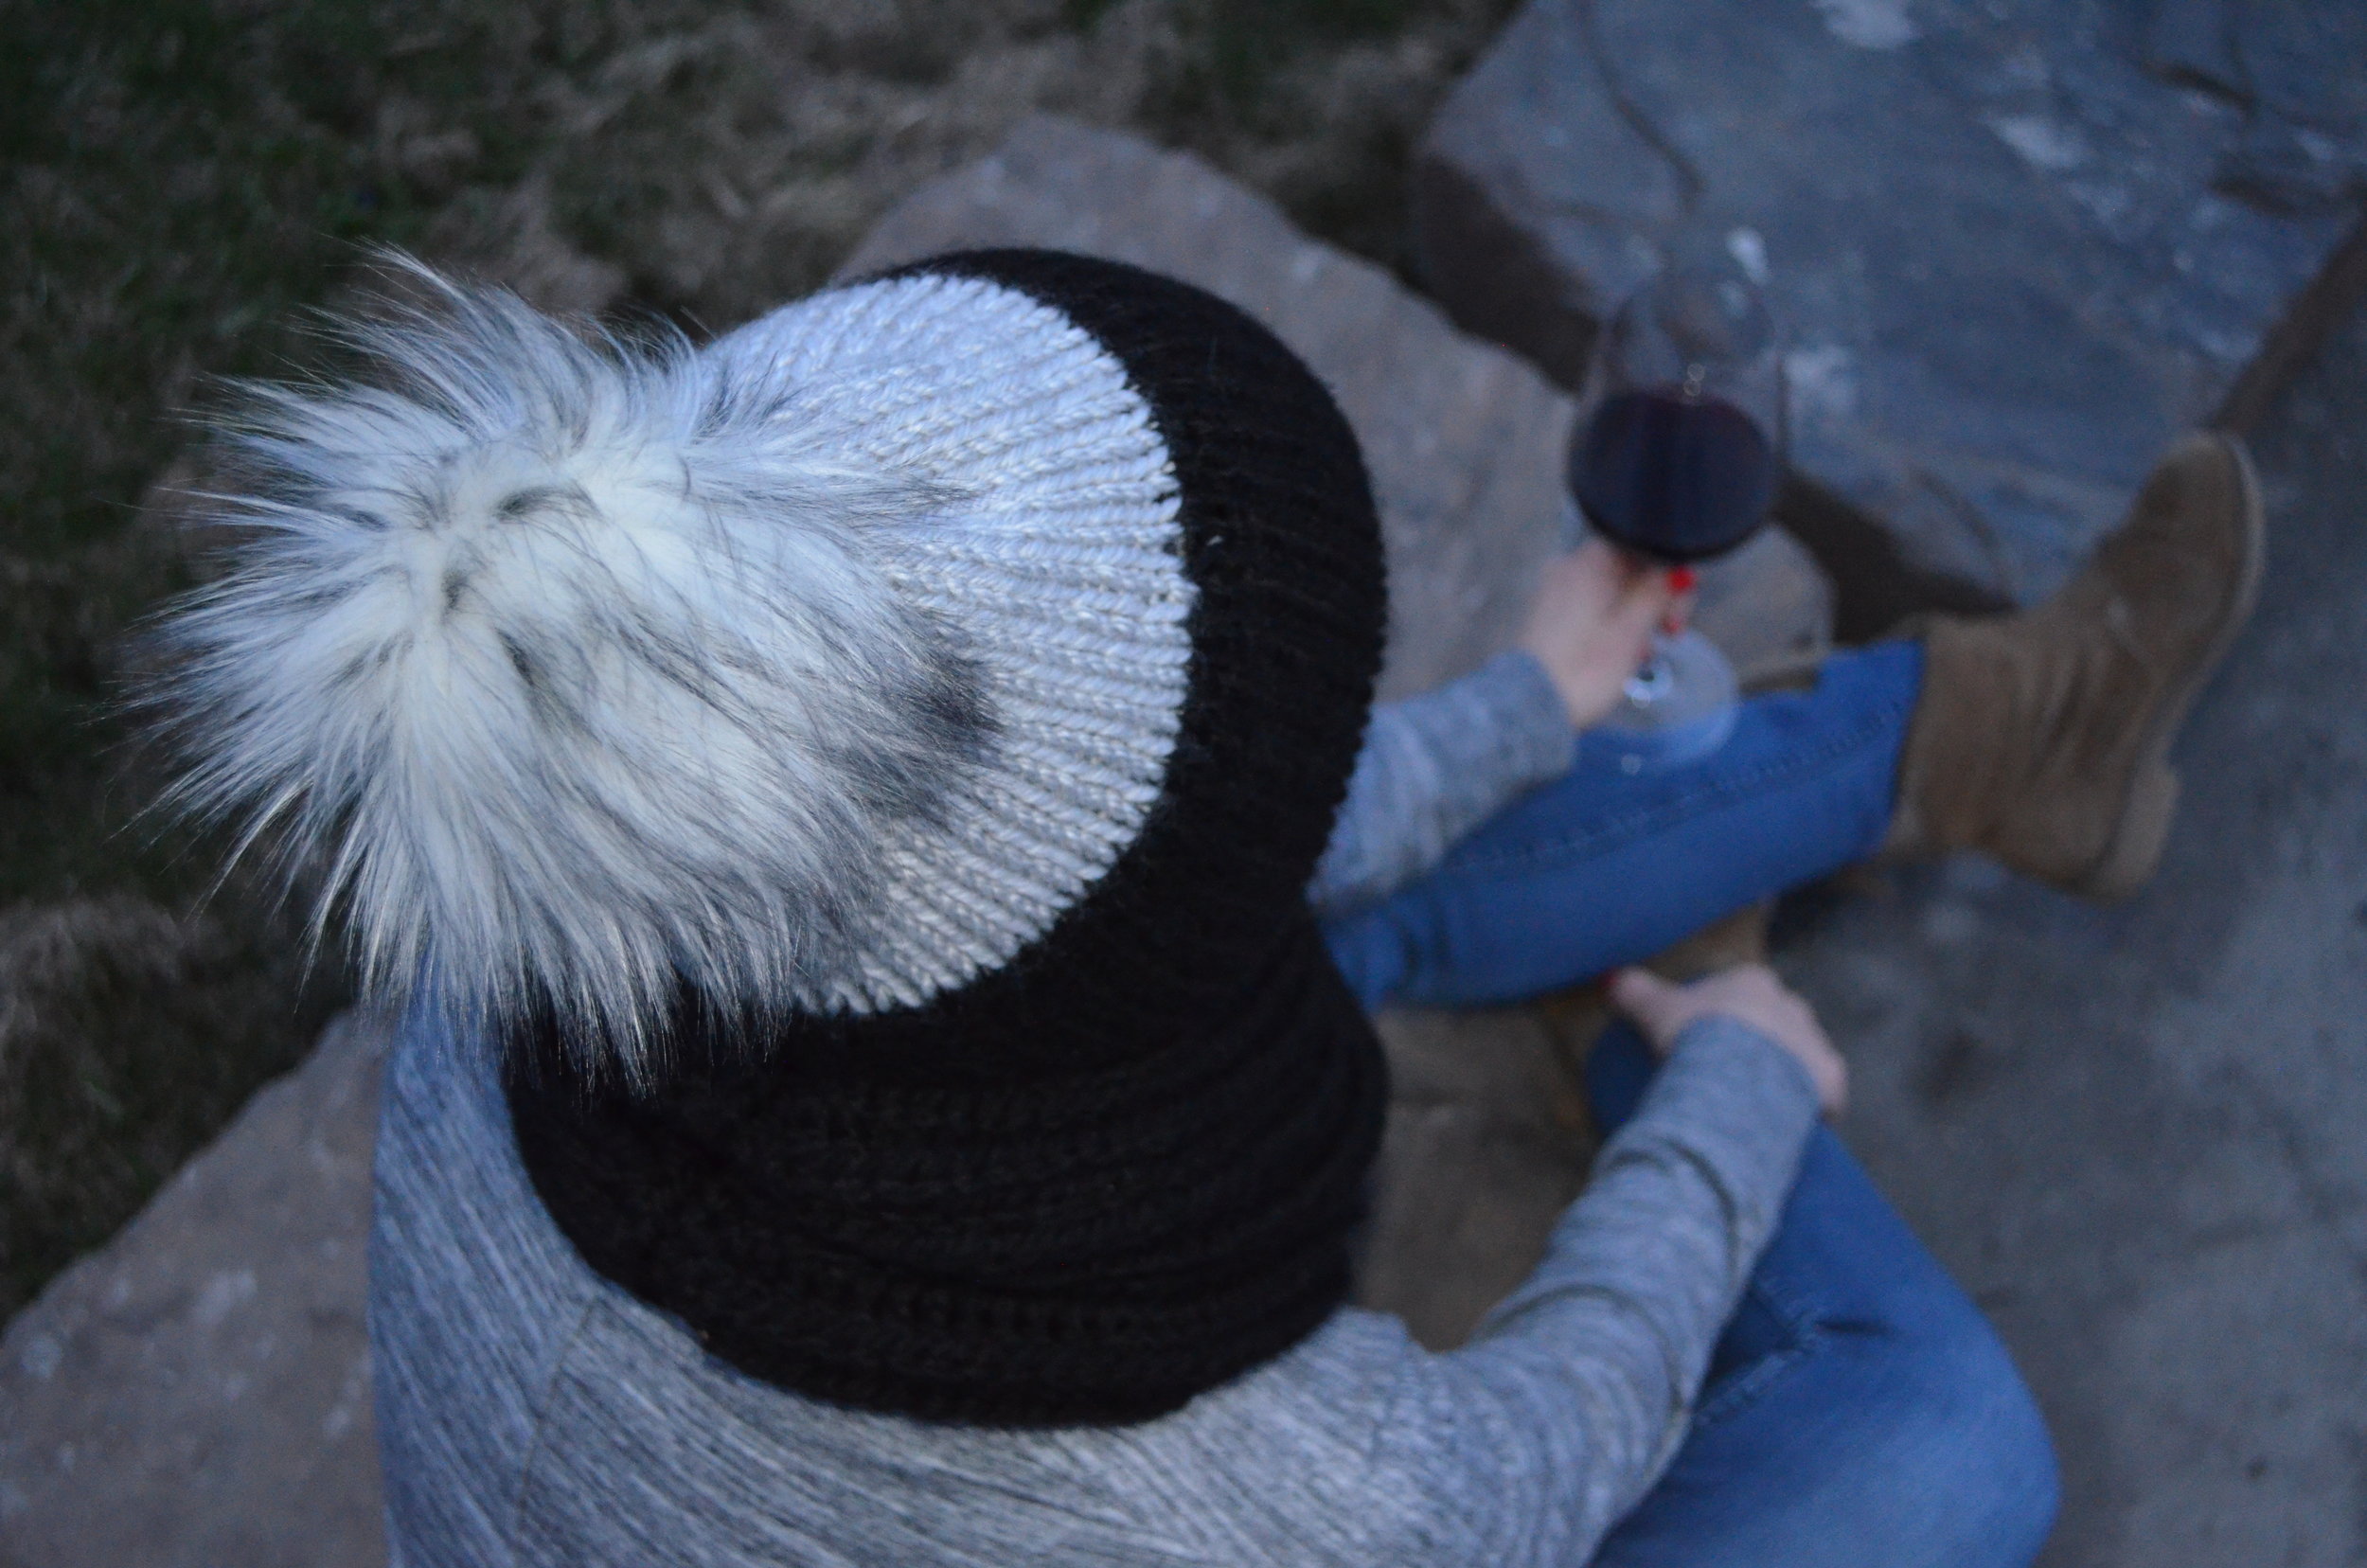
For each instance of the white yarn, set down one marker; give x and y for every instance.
(825, 667)
(1065, 575)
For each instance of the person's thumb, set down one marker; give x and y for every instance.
(1645, 997)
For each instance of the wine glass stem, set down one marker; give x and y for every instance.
(1656, 678)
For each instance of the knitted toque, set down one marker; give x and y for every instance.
(865, 773)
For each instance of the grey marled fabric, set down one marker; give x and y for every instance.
(1433, 768)
(532, 1416)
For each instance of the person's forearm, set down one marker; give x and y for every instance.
(1433, 768)
(1591, 1367)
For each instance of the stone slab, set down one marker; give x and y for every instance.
(197, 1394)
(1463, 440)
(2018, 244)
(1487, 1142)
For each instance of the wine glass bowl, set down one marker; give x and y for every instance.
(1681, 448)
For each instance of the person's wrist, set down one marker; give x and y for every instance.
(1530, 700)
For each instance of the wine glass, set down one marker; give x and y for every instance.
(1676, 461)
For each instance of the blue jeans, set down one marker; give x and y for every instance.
(1859, 1410)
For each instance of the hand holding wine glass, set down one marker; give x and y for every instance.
(1677, 462)
(1591, 624)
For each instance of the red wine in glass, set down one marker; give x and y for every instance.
(1673, 478)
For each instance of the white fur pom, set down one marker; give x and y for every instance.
(573, 668)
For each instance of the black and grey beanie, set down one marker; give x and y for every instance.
(863, 774)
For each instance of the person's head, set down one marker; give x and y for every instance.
(918, 712)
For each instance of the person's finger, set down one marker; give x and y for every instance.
(1642, 603)
(1643, 613)
(1644, 996)
(1598, 556)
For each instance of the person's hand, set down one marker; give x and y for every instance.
(1749, 993)
(1591, 625)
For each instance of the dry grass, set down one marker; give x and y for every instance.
(128, 1035)
(182, 176)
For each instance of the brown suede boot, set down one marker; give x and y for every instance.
(2042, 737)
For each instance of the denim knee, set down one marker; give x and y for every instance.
(1969, 1446)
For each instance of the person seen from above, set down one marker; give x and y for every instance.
(881, 832)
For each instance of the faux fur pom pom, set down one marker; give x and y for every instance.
(575, 669)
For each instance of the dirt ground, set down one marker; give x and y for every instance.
(183, 178)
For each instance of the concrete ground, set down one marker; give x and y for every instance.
(2136, 1133)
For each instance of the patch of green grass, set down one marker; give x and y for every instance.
(179, 182)
(1248, 42)
(131, 1035)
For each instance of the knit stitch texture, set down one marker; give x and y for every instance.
(535, 1415)
(1120, 1166)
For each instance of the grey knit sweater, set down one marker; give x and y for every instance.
(532, 1413)
(1433, 768)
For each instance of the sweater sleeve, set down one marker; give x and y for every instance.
(1569, 1401)
(1433, 768)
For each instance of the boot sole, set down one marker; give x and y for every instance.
(2144, 828)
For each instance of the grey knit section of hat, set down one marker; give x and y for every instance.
(1059, 571)
(533, 1416)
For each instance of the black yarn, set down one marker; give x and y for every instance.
(1121, 1169)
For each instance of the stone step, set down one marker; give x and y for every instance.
(1463, 440)
(2018, 245)
(196, 1394)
